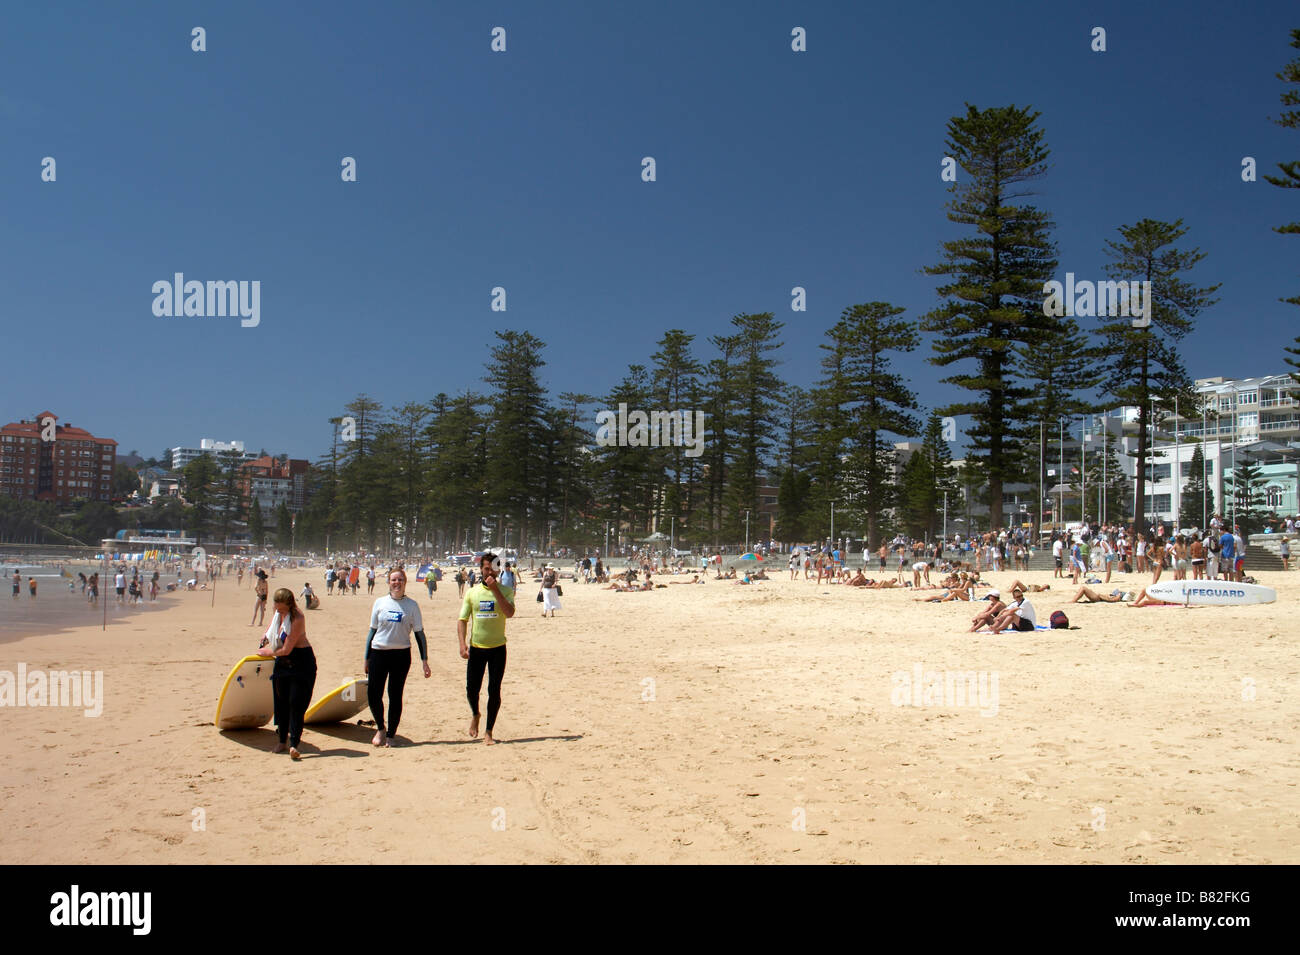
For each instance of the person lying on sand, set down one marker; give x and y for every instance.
(1031, 588)
(695, 579)
(1087, 595)
(859, 581)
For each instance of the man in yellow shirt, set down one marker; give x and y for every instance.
(482, 633)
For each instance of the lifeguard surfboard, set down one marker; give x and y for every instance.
(1211, 593)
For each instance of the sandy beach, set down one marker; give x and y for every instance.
(693, 724)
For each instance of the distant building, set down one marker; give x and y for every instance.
(183, 456)
(269, 483)
(75, 464)
(156, 482)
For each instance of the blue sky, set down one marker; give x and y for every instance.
(522, 169)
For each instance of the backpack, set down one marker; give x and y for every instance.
(1059, 620)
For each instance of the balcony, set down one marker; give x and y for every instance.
(1285, 402)
(1287, 425)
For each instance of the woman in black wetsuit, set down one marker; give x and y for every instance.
(294, 676)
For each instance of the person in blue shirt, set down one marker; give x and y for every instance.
(508, 576)
(1227, 554)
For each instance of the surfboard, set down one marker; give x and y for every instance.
(246, 700)
(341, 703)
(1211, 593)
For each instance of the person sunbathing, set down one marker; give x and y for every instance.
(958, 591)
(1087, 595)
(695, 579)
(860, 580)
(884, 584)
(1031, 588)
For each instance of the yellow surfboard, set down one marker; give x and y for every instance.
(247, 700)
(341, 703)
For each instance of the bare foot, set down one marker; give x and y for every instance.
(488, 740)
(279, 748)
(473, 727)
(388, 742)
(378, 739)
(293, 753)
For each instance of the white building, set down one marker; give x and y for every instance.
(1237, 420)
(183, 456)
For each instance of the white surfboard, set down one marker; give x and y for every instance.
(246, 700)
(1211, 593)
(341, 703)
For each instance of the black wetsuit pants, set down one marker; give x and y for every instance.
(494, 661)
(292, 681)
(392, 666)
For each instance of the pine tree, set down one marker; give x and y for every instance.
(1245, 486)
(256, 530)
(994, 292)
(1290, 177)
(284, 535)
(1191, 513)
(1142, 364)
(754, 383)
(518, 403)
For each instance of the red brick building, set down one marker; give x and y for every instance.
(74, 464)
(270, 482)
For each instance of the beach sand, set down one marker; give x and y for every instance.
(1147, 736)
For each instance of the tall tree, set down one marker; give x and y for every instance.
(754, 383)
(880, 405)
(199, 478)
(284, 535)
(1245, 486)
(515, 420)
(1141, 365)
(994, 292)
(256, 529)
(1196, 503)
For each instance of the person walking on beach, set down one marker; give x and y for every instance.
(260, 590)
(294, 676)
(18, 584)
(31, 586)
(550, 590)
(460, 582)
(481, 631)
(370, 579)
(388, 653)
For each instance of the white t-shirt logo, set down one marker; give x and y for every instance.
(393, 616)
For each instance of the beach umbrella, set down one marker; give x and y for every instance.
(751, 556)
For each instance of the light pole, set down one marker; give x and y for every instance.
(746, 532)
(832, 520)
(945, 512)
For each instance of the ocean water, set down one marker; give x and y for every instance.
(55, 607)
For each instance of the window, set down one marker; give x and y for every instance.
(1157, 503)
(1273, 496)
(1248, 397)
